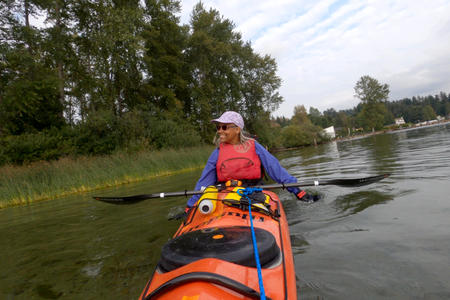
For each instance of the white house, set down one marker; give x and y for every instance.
(330, 132)
(399, 121)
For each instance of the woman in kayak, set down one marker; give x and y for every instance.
(240, 157)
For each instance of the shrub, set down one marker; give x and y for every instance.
(295, 136)
(44, 145)
(97, 135)
(166, 133)
(305, 135)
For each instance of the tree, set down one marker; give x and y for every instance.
(369, 90)
(300, 116)
(107, 73)
(209, 56)
(30, 102)
(226, 74)
(29, 99)
(373, 116)
(282, 121)
(330, 116)
(57, 43)
(317, 118)
(413, 114)
(447, 109)
(428, 113)
(373, 96)
(301, 130)
(165, 85)
(294, 136)
(259, 84)
(344, 122)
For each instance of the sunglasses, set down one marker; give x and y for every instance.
(224, 127)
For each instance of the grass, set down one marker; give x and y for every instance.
(20, 185)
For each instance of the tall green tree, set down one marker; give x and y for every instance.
(209, 56)
(300, 116)
(259, 86)
(29, 94)
(428, 113)
(226, 74)
(165, 85)
(446, 109)
(330, 116)
(108, 44)
(315, 116)
(57, 47)
(373, 96)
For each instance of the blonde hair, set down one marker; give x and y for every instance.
(244, 137)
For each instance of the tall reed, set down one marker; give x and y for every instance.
(48, 180)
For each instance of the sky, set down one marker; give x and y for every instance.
(323, 47)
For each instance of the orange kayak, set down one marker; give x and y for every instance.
(211, 256)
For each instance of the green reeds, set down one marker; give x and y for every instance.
(21, 185)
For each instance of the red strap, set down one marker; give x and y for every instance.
(301, 194)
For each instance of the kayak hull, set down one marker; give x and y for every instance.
(221, 277)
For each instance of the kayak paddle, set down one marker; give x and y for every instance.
(339, 182)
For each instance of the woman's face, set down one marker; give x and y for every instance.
(228, 133)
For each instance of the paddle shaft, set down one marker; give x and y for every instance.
(338, 182)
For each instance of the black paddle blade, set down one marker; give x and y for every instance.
(357, 181)
(137, 198)
(125, 200)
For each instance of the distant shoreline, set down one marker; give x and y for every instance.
(390, 131)
(361, 136)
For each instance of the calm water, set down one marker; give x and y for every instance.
(389, 240)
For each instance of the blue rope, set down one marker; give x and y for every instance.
(244, 193)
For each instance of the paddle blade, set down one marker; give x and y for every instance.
(357, 181)
(126, 200)
(137, 198)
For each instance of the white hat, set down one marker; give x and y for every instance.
(231, 117)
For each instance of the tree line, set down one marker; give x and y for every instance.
(374, 112)
(103, 75)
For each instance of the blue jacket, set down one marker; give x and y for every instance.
(269, 162)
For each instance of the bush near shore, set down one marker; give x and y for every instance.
(102, 134)
(48, 180)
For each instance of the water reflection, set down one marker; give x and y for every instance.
(46, 291)
(312, 161)
(385, 154)
(358, 201)
(299, 244)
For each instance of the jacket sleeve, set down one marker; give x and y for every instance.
(274, 169)
(208, 177)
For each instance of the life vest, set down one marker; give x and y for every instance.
(238, 162)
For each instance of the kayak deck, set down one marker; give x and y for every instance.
(211, 255)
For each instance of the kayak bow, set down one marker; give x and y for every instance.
(211, 256)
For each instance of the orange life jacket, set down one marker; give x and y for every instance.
(238, 162)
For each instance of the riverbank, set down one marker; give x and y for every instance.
(367, 134)
(390, 130)
(21, 185)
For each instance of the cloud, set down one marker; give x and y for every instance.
(323, 47)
